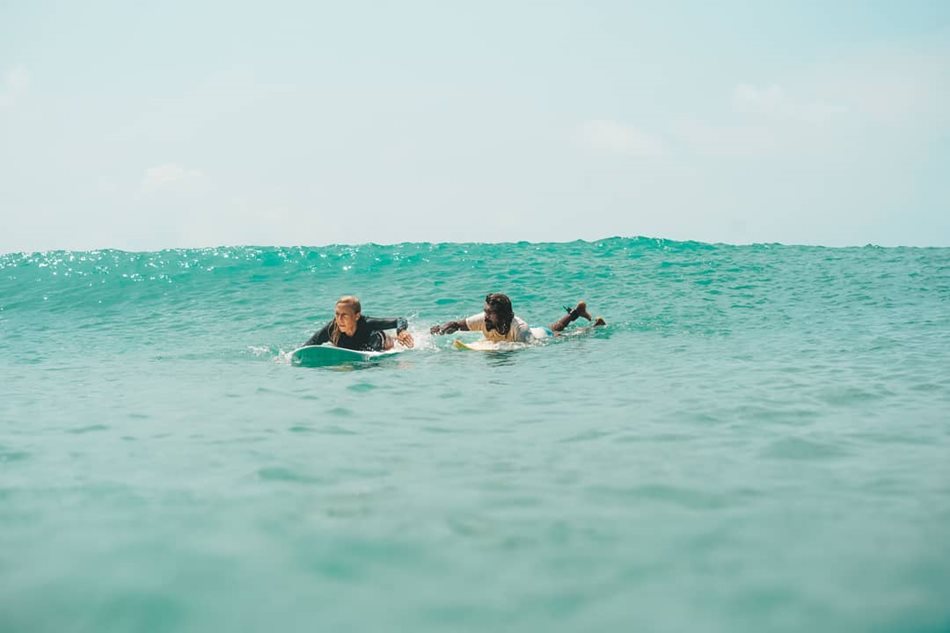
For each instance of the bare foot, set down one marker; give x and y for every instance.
(581, 310)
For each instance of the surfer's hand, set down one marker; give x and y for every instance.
(405, 338)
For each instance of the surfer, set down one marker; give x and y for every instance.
(351, 330)
(499, 323)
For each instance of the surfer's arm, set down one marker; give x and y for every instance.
(320, 337)
(449, 327)
(399, 324)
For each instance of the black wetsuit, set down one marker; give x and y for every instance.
(368, 336)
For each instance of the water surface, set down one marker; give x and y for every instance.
(759, 440)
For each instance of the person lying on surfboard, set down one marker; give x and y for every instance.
(350, 329)
(499, 323)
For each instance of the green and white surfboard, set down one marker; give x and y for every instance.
(329, 355)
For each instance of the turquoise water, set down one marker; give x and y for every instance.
(759, 440)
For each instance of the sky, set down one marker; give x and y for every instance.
(185, 124)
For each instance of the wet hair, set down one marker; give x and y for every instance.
(351, 301)
(501, 306)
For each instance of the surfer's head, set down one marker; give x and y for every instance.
(498, 313)
(346, 314)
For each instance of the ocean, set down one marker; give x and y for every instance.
(759, 440)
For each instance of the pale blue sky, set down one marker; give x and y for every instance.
(171, 124)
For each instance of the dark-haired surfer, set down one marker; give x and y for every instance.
(499, 323)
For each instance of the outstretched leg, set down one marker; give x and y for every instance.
(580, 310)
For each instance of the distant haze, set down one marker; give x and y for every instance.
(181, 124)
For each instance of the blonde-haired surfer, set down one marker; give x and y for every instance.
(351, 330)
